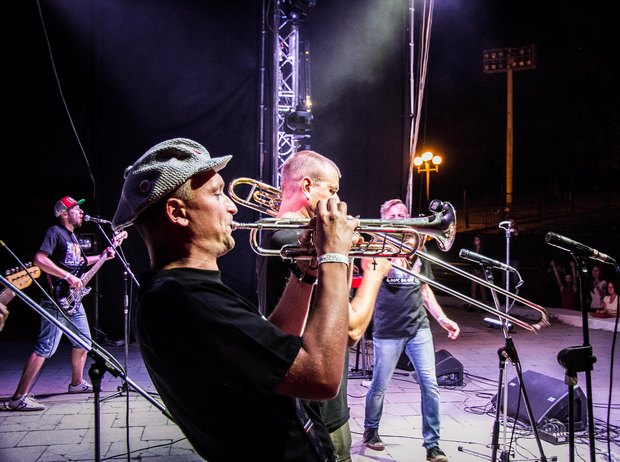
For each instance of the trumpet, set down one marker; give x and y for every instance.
(266, 199)
(440, 226)
(389, 239)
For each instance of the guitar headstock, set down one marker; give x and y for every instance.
(23, 278)
(119, 238)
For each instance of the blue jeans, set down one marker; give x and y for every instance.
(421, 352)
(50, 334)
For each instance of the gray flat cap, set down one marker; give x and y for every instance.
(159, 171)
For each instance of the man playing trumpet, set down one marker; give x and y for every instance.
(230, 378)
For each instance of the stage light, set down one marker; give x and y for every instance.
(299, 121)
(296, 10)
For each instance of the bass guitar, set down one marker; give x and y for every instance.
(20, 279)
(68, 298)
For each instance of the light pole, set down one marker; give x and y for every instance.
(427, 162)
(508, 60)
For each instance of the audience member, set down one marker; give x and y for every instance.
(597, 288)
(610, 303)
(567, 283)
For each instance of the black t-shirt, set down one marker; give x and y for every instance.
(216, 363)
(399, 311)
(64, 250)
(273, 274)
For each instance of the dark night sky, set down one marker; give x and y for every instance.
(566, 125)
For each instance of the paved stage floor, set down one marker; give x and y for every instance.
(135, 423)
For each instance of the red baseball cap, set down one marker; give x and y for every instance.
(66, 203)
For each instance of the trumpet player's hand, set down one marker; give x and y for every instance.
(334, 230)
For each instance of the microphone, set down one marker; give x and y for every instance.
(565, 243)
(99, 221)
(477, 258)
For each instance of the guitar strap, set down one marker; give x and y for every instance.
(308, 426)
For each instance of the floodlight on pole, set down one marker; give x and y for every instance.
(507, 60)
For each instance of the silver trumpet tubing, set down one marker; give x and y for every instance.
(441, 226)
(376, 248)
(266, 199)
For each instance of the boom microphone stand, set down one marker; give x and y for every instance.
(508, 352)
(579, 359)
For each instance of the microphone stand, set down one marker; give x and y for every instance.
(123, 388)
(103, 362)
(508, 230)
(508, 352)
(579, 359)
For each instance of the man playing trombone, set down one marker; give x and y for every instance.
(308, 177)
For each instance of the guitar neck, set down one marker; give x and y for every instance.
(6, 296)
(91, 272)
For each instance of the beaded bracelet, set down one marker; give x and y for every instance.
(333, 258)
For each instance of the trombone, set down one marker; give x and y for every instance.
(387, 241)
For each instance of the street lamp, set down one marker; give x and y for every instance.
(506, 60)
(427, 162)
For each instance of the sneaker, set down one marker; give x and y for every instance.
(372, 440)
(25, 403)
(83, 387)
(435, 454)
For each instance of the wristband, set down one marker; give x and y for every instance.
(302, 276)
(443, 317)
(67, 275)
(333, 258)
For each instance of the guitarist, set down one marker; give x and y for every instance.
(61, 258)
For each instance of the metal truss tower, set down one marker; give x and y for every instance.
(291, 115)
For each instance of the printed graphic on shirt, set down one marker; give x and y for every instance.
(73, 256)
(399, 278)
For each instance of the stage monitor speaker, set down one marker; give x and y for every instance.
(548, 399)
(448, 369)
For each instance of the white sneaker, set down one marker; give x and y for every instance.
(25, 403)
(83, 387)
